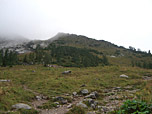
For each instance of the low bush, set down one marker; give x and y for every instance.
(135, 107)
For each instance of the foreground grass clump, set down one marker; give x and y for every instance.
(135, 107)
(76, 110)
(48, 105)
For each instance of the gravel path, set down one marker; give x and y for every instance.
(60, 110)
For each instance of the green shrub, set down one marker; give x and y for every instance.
(135, 107)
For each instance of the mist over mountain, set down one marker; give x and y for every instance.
(11, 40)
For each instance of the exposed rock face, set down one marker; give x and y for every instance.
(124, 76)
(21, 106)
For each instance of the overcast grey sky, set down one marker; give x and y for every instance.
(123, 22)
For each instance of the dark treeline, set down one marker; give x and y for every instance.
(65, 56)
(53, 54)
(144, 53)
(143, 64)
(72, 56)
(8, 58)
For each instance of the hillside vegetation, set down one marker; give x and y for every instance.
(51, 78)
(50, 82)
(79, 51)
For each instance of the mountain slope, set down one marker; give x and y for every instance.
(117, 54)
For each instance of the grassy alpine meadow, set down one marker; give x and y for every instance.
(51, 82)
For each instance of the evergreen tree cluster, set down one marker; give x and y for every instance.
(65, 56)
(62, 55)
(76, 57)
(144, 64)
(8, 58)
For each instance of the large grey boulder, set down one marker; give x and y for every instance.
(124, 76)
(21, 106)
(84, 91)
(81, 105)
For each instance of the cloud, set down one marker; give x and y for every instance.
(119, 21)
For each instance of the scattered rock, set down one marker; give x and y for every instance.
(57, 106)
(105, 109)
(93, 106)
(123, 76)
(5, 80)
(91, 101)
(81, 105)
(38, 97)
(61, 100)
(113, 56)
(92, 95)
(83, 85)
(66, 72)
(54, 66)
(64, 101)
(21, 106)
(45, 97)
(84, 91)
(57, 103)
(69, 106)
(117, 88)
(58, 98)
(91, 113)
(147, 77)
(67, 94)
(74, 94)
(99, 107)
